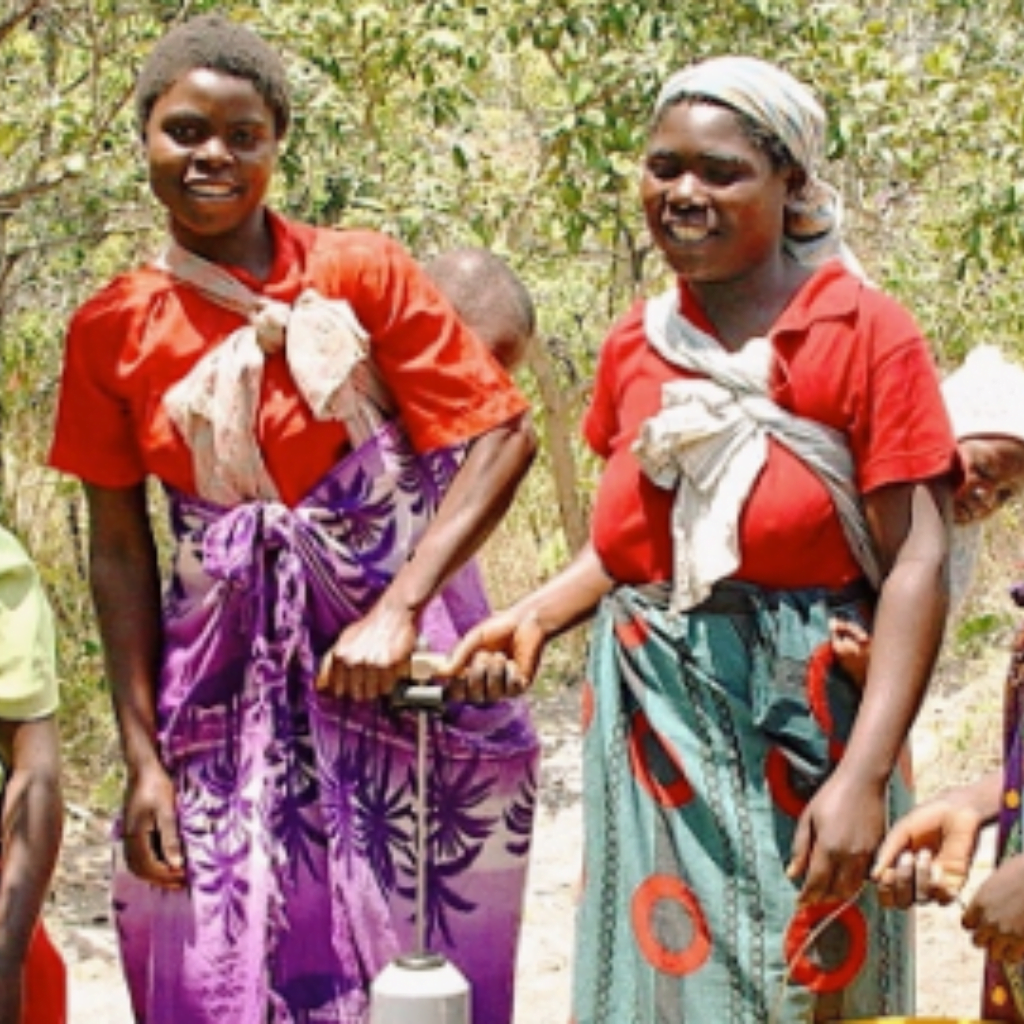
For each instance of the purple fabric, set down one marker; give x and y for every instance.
(1003, 992)
(296, 809)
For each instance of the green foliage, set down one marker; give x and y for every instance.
(980, 632)
(518, 125)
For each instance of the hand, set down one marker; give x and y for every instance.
(927, 854)
(996, 914)
(851, 644)
(836, 837)
(498, 658)
(152, 842)
(489, 676)
(371, 655)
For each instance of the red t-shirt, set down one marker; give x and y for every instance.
(138, 336)
(847, 356)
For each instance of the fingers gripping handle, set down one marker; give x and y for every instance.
(419, 692)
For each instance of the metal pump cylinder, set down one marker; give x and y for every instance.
(420, 989)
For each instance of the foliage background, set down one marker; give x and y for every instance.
(516, 124)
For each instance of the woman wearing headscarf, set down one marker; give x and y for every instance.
(776, 453)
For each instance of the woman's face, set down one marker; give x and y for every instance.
(993, 474)
(714, 203)
(211, 145)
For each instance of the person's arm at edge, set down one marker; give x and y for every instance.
(30, 834)
(125, 582)
(909, 525)
(927, 854)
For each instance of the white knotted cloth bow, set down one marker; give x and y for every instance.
(214, 406)
(709, 443)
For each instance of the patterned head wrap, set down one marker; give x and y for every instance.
(786, 108)
(985, 396)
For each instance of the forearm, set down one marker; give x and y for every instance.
(909, 624)
(570, 597)
(479, 496)
(33, 817)
(984, 796)
(127, 607)
(125, 583)
(908, 632)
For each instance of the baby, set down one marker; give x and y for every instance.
(985, 399)
(489, 298)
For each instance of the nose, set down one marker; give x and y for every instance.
(984, 498)
(213, 150)
(686, 189)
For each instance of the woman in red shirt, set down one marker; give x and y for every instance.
(776, 453)
(334, 444)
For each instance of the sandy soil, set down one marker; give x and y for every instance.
(954, 735)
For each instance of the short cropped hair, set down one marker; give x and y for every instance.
(489, 298)
(212, 41)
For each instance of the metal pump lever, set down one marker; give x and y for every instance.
(420, 986)
(417, 692)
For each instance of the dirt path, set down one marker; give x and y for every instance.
(949, 971)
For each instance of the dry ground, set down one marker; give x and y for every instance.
(957, 735)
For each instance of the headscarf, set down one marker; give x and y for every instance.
(788, 109)
(985, 396)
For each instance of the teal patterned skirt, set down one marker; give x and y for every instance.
(705, 736)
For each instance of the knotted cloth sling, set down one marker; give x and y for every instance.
(709, 442)
(214, 406)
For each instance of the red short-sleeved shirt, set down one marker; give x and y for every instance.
(846, 355)
(141, 334)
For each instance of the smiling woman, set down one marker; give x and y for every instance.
(334, 443)
(211, 146)
(775, 453)
(713, 199)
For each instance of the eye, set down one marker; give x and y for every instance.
(664, 168)
(983, 472)
(244, 137)
(185, 133)
(722, 173)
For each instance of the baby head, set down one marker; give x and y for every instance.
(985, 399)
(489, 298)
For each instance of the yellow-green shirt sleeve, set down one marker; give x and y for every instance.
(28, 675)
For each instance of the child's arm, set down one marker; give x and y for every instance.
(833, 849)
(32, 823)
(996, 914)
(851, 644)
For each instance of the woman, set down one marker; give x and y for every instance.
(252, 370)
(744, 418)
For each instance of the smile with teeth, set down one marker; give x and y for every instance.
(688, 232)
(211, 189)
(687, 225)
